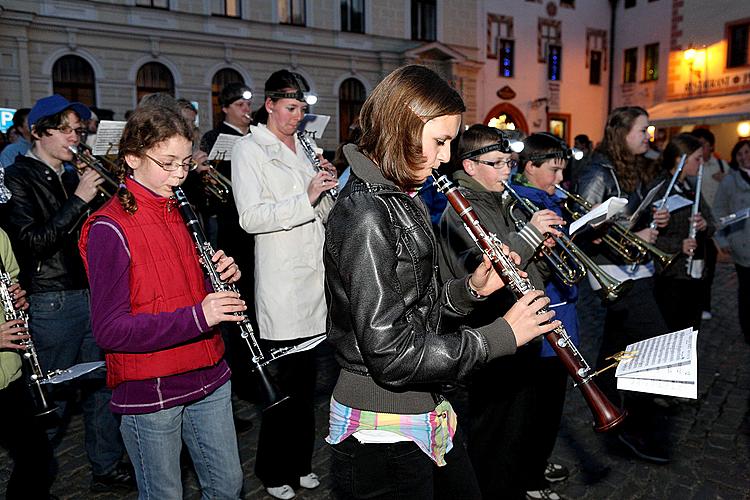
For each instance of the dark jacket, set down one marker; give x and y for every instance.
(388, 315)
(43, 219)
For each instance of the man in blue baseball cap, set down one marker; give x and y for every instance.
(43, 219)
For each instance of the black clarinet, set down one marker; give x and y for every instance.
(206, 253)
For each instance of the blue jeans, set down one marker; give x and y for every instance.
(61, 331)
(154, 441)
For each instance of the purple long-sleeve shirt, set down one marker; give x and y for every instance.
(116, 328)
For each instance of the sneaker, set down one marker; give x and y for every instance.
(706, 315)
(309, 481)
(121, 478)
(555, 472)
(284, 492)
(643, 448)
(545, 494)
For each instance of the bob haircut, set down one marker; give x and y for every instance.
(614, 145)
(393, 116)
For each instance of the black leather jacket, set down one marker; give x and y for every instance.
(43, 219)
(395, 329)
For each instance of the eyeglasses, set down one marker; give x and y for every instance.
(171, 167)
(67, 130)
(498, 164)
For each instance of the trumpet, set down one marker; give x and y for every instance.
(568, 261)
(83, 154)
(214, 182)
(622, 241)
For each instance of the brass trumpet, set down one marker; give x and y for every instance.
(629, 246)
(568, 261)
(82, 153)
(214, 182)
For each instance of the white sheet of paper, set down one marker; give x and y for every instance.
(646, 202)
(658, 352)
(676, 201)
(730, 219)
(605, 211)
(222, 149)
(314, 125)
(74, 371)
(108, 138)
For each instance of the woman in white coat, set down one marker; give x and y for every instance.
(282, 200)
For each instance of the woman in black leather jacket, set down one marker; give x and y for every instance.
(396, 330)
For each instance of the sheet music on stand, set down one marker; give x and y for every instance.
(667, 364)
(108, 138)
(601, 213)
(647, 201)
(222, 149)
(74, 371)
(314, 125)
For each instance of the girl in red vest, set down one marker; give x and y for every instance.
(155, 317)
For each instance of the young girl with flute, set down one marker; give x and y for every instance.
(396, 330)
(155, 318)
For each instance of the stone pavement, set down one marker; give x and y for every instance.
(710, 436)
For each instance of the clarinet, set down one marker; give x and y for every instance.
(694, 267)
(606, 415)
(205, 253)
(307, 147)
(40, 399)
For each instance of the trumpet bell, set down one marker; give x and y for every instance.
(615, 291)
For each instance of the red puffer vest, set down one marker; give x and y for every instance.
(165, 275)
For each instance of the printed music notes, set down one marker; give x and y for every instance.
(667, 364)
(108, 138)
(222, 149)
(601, 213)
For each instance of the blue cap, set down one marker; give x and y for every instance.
(48, 106)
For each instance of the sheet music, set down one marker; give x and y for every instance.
(676, 202)
(222, 149)
(108, 138)
(647, 201)
(667, 364)
(730, 219)
(605, 211)
(314, 125)
(74, 371)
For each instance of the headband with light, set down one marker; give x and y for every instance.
(503, 145)
(306, 97)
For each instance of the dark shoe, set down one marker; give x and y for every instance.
(644, 448)
(242, 424)
(121, 478)
(555, 472)
(545, 494)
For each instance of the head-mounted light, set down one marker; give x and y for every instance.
(306, 97)
(563, 154)
(247, 95)
(502, 145)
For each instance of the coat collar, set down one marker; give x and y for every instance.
(365, 168)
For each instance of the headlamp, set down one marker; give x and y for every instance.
(247, 95)
(306, 97)
(503, 145)
(563, 154)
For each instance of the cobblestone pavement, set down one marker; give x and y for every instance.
(710, 437)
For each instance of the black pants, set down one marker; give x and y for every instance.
(502, 403)
(401, 471)
(743, 299)
(708, 275)
(24, 437)
(287, 430)
(679, 301)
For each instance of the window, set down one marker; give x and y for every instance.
(352, 96)
(506, 57)
(595, 67)
(571, 4)
(549, 32)
(498, 27)
(220, 79)
(353, 16)
(157, 4)
(229, 8)
(630, 65)
(651, 62)
(737, 45)
(292, 12)
(153, 77)
(554, 64)
(73, 78)
(424, 20)
(629, 4)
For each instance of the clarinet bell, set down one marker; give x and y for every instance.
(271, 397)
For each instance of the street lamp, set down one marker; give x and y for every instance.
(695, 59)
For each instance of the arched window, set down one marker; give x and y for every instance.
(221, 78)
(73, 78)
(153, 77)
(352, 96)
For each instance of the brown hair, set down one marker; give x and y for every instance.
(681, 144)
(394, 114)
(615, 147)
(146, 127)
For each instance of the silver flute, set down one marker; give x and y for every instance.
(313, 157)
(694, 267)
(36, 376)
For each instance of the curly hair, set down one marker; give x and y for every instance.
(393, 116)
(614, 144)
(146, 127)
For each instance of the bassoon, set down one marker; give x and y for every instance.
(606, 415)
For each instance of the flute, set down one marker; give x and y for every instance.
(694, 267)
(606, 415)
